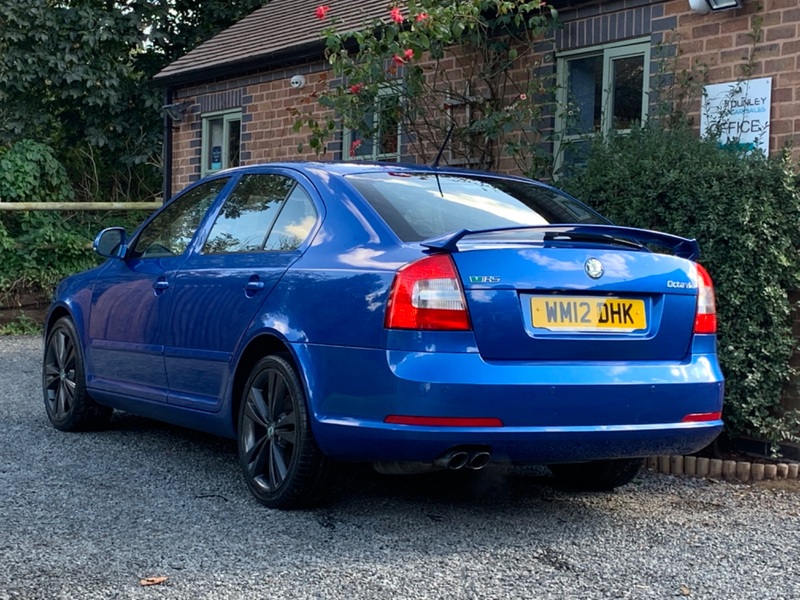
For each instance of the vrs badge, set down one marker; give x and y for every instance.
(594, 268)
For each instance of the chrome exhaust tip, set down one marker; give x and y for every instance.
(478, 460)
(453, 460)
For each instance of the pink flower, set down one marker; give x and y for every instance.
(356, 88)
(322, 11)
(354, 147)
(523, 96)
(396, 15)
(398, 60)
(422, 17)
(408, 54)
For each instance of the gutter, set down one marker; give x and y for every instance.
(228, 70)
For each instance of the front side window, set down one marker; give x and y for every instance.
(600, 90)
(422, 205)
(221, 138)
(379, 138)
(171, 231)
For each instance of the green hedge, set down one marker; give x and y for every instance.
(745, 212)
(38, 248)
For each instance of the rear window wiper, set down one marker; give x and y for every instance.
(641, 239)
(606, 239)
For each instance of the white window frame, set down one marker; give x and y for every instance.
(610, 53)
(347, 134)
(228, 117)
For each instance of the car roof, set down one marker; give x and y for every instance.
(361, 167)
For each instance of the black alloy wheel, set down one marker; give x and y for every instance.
(280, 460)
(69, 407)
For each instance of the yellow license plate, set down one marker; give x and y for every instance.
(586, 313)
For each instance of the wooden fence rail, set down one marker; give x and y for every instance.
(11, 206)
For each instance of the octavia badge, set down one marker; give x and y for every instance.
(594, 268)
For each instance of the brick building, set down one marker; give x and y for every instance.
(231, 98)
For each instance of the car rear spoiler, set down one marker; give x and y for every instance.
(682, 247)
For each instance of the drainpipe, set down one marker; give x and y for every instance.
(166, 187)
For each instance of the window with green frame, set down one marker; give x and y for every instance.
(221, 136)
(600, 89)
(379, 139)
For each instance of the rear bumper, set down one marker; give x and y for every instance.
(359, 441)
(551, 412)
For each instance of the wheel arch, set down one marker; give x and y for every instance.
(57, 312)
(256, 349)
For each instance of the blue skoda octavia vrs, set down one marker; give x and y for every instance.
(406, 316)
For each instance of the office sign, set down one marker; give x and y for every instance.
(738, 113)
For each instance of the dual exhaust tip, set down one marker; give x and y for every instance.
(464, 458)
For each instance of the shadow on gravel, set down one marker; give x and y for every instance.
(495, 485)
(156, 446)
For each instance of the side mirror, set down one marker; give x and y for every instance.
(110, 242)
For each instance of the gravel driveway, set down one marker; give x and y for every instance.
(91, 515)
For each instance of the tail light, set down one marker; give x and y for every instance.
(702, 417)
(427, 294)
(705, 320)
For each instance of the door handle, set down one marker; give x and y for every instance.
(161, 284)
(254, 286)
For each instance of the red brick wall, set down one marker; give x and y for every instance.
(720, 41)
(267, 101)
(724, 41)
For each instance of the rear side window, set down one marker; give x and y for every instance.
(264, 212)
(294, 222)
(421, 205)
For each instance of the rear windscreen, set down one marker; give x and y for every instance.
(418, 206)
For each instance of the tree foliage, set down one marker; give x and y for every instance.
(468, 65)
(174, 27)
(80, 120)
(75, 75)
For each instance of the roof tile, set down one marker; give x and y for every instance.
(279, 26)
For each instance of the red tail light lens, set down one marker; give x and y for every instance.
(427, 294)
(702, 417)
(705, 320)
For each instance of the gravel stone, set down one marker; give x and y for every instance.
(94, 515)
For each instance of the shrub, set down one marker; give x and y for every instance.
(30, 172)
(744, 211)
(37, 248)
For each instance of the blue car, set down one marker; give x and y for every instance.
(406, 316)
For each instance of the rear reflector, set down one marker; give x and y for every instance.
(705, 320)
(702, 417)
(443, 421)
(427, 294)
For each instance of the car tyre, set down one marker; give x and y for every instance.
(282, 464)
(598, 475)
(69, 406)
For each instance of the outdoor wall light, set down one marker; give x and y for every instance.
(176, 111)
(703, 7)
(724, 4)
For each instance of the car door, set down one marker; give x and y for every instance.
(130, 299)
(258, 233)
